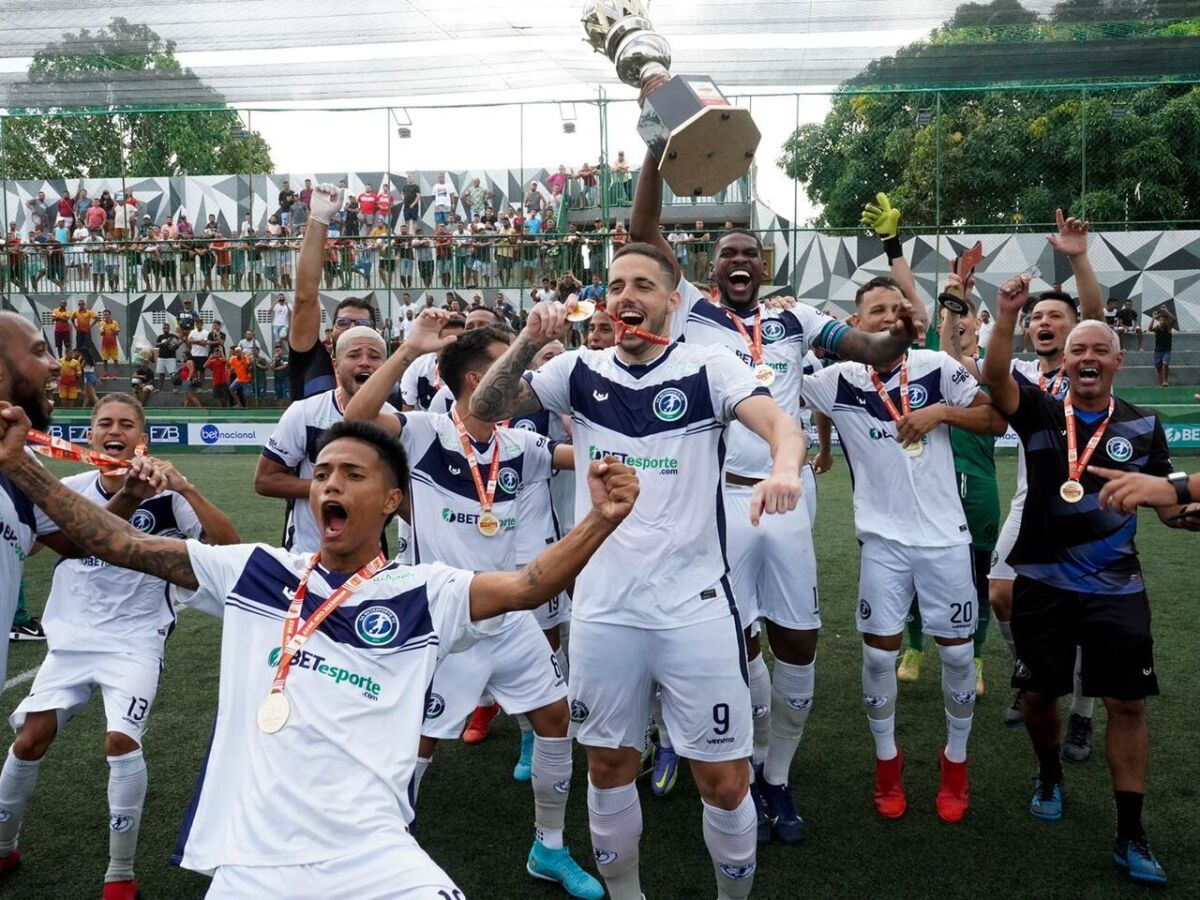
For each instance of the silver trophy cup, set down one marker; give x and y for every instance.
(701, 141)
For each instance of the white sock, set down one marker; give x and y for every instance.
(879, 697)
(958, 690)
(551, 786)
(126, 797)
(1081, 705)
(730, 835)
(760, 706)
(486, 699)
(664, 736)
(17, 781)
(1006, 633)
(419, 773)
(791, 702)
(615, 819)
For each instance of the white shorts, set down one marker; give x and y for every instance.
(553, 612)
(66, 678)
(1001, 570)
(772, 568)
(701, 673)
(941, 577)
(165, 366)
(384, 873)
(516, 666)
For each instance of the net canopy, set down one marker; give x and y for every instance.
(247, 52)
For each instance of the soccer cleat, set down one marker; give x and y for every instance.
(523, 770)
(763, 826)
(980, 687)
(952, 796)
(8, 864)
(120, 890)
(666, 769)
(786, 824)
(1078, 745)
(1138, 860)
(477, 729)
(30, 631)
(558, 866)
(910, 666)
(1014, 716)
(1047, 801)
(890, 801)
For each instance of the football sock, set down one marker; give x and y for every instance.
(791, 701)
(126, 797)
(1006, 633)
(879, 697)
(1081, 705)
(1129, 815)
(730, 835)
(760, 706)
(615, 819)
(551, 786)
(1050, 764)
(17, 781)
(958, 690)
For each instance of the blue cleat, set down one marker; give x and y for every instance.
(1047, 802)
(523, 770)
(557, 866)
(786, 824)
(1138, 860)
(666, 769)
(760, 808)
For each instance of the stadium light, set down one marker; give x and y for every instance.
(403, 122)
(566, 112)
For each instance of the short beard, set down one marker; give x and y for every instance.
(33, 401)
(1046, 354)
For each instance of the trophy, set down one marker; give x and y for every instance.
(702, 142)
(964, 267)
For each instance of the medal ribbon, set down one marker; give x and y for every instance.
(648, 336)
(486, 497)
(57, 448)
(1054, 385)
(887, 400)
(1075, 469)
(295, 634)
(754, 344)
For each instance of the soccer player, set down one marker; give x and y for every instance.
(773, 569)
(656, 606)
(468, 478)
(106, 627)
(420, 383)
(1078, 578)
(286, 465)
(306, 779)
(892, 420)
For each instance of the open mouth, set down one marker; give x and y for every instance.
(1045, 335)
(740, 278)
(361, 378)
(631, 317)
(333, 519)
(113, 448)
(1089, 374)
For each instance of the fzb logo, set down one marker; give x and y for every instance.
(773, 330)
(670, 404)
(143, 520)
(1119, 449)
(509, 480)
(210, 434)
(434, 706)
(376, 625)
(917, 396)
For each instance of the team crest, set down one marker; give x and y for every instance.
(1021, 673)
(509, 480)
(579, 711)
(773, 330)
(963, 697)
(800, 703)
(376, 625)
(604, 857)
(864, 609)
(874, 701)
(434, 706)
(917, 396)
(738, 873)
(1119, 449)
(524, 425)
(120, 824)
(563, 787)
(670, 404)
(759, 710)
(143, 520)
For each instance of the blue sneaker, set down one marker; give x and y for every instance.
(1047, 802)
(557, 866)
(666, 769)
(786, 824)
(523, 770)
(1136, 858)
(760, 808)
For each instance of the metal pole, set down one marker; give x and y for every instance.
(793, 242)
(130, 268)
(249, 169)
(1083, 159)
(605, 176)
(4, 173)
(387, 181)
(937, 201)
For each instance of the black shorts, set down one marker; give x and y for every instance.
(221, 392)
(1112, 630)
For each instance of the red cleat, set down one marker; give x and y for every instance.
(8, 864)
(120, 890)
(477, 729)
(952, 796)
(889, 789)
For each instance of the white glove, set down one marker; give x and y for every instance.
(326, 200)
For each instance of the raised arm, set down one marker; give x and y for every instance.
(646, 211)
(305, 328)
(878, 349)
(218, 529)
(949, 338)
(614, 489)
(780, 492)
(1072, 242)
(995, 373)
(503, 392)
(884, 220)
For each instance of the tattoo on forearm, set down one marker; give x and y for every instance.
(102, 534)
(503, 391)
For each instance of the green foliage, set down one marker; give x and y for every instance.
(208, 141)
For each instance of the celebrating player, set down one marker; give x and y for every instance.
(656, 606)
(892, 420)
(315, 744)
(1078, 578)
(106, 627)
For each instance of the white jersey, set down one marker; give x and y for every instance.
(812, 364)
(420, 382)
(668, 421)
(913, 501)
(1028, 372)
(441, 401)
(535, 509)
(787, 336)
(293, 443)
(336, 778)
(99, 607)
(445, 502)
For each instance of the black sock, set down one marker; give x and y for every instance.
(1129, 815)
(1050, 765)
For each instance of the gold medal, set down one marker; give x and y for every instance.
(584, 310)
(488, 524)
(914, 449)
(764, 375)
(273, 713)
(1071, 491)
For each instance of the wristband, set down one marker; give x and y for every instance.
(893, 249)
(1179, 480)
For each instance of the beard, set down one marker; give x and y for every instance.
(30, 398)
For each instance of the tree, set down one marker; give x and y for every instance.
(1003, 157)
(109, 69)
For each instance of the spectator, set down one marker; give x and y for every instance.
(242, 366)
(219, 366)
(1130, 322)
(247, 227)
(986, 327)
(223, 258)
(166, 345)
(184, 226)
(84, 319)
(188, 377)
(595, 291)
(94, 253)
(142, 381)
(62, 329)
(107, 204)
(82, 204)
(533, 199)
(558, 182)
(279, 372)
(443, 201)
(95, 215)
(385, 209)
(306, 194)
(411, 195)
(114, 260)
(65, 209)
(587, 183)
(1110, 314)
(186, 321)
(368, 201)
(388, 333)
(287, 197)
(168, 229)
(247, 343)
(476, 197)
(123, 213)
(620, 236)
(69, 376)
(678, 239)
(199, 346)
(1161, 323)
(350, 220)
(39, 213)
(262, 365)
(109, 348)
(281, 319)
(701, 242)
(622, 180)
(217, 337)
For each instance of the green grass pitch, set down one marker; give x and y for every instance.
(477, 822)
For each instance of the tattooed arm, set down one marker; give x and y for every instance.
(614, 489)
(503, 392)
